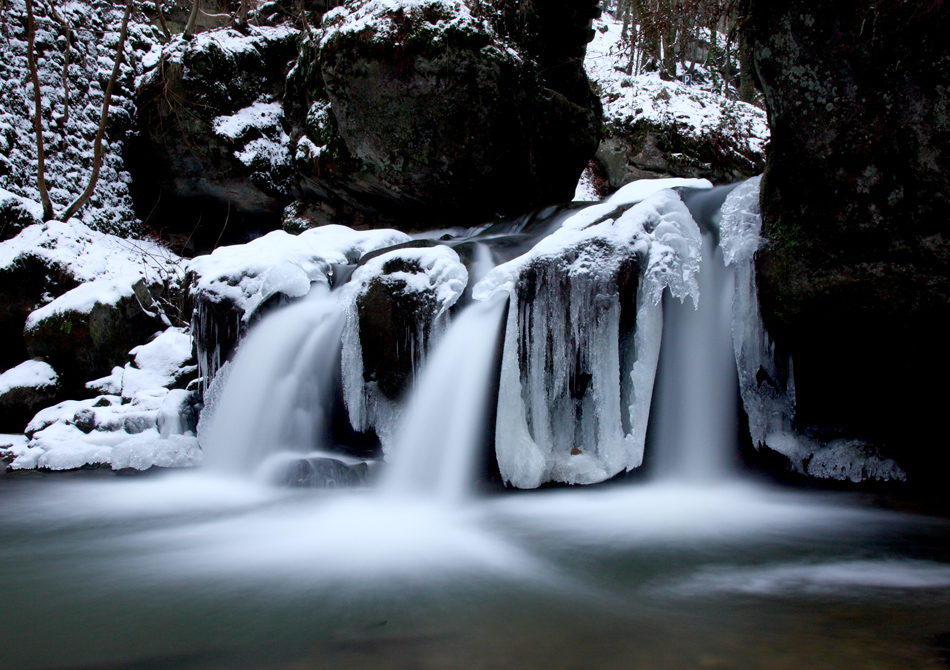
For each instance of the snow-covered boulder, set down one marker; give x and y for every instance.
(46, 260)
(396, 306)
(442, 115)
(89, 330)
(17, 213)
(234, 285)
(583, 336)
(25, 389)
(140, 420)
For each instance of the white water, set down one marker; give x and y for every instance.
(272, 397)
(697, 386)
(443, 426)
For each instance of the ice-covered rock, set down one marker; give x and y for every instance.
(396, 305)
(233, 285)
(24, 389)
(583, 336)
(844, 459)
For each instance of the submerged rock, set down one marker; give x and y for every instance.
(321, 473)
(855, 280)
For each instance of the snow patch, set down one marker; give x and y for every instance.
(29, 374)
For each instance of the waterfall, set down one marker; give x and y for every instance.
(444, 424)
(697, 385)
(273, 397)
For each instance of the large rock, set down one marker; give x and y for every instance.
(396, 306)
(443, 117)
(89, 330)
(855, 282)
(213, 160)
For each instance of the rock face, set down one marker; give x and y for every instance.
(855, 282)
(429, 113)
(212, 139)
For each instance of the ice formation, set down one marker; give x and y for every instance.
(242, 277)
(767, 386)
(436, 278)
(575, 390)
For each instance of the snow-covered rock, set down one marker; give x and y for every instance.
(232, 285)
(23, 390)
(46, 260)
(396, 306)
(90, 329)
(140, 422)
(583, 336)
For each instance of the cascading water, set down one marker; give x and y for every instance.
(272, 397)
(695, 428)
(443, 425)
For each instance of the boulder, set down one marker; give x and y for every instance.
(397, 304)
(212, 135)
(855, 281)
(89, 330)
(24, 390)
(441, 115)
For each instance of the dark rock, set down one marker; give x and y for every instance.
(646, 150)
(203, 181)
(24, 285)
(855, 282)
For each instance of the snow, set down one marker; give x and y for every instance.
(29, 374)
(645, 97)
(551, 425)
(249, 274)
(69, 140)
(386, 19)
(585, 191)
(138, 424)
(87, 254)
(259, 116)
(83, 298)
(640, 190)
(441, 274)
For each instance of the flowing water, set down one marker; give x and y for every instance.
(217, 569)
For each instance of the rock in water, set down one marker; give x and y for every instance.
(855, 280)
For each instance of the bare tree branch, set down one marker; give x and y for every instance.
(97, 147)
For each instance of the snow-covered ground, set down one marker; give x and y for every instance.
(694, 110)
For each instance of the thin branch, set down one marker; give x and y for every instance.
(37, 114)
(161, 20)
(97, 148)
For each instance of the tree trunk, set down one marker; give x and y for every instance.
(192, 20)
(746, 70)
(37, 114)
(103, 119)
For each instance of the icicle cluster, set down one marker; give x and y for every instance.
(767, 386)
(575, 390)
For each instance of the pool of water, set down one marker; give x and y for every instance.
(189, 571)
